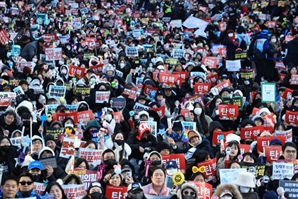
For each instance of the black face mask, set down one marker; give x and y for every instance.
(188, 197)
(35, 177)
(110, 162)
(138, 195)
(156, 163)
(26, 123)
(26, 193)
(119, 142)
(4, 148)
(96, 195)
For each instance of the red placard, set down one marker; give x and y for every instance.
(160, 111)
(216, 136)
(291, 118)
(222, 85)
(282, 76)
(183, 75)
(4, 37)
(84, 116)
(287, 93)
(155, 76)
(227, 111)
(76, 71)
(117, 117)
(168, 78)
(272, 153)
(222, 51)
(148, 89)
(130, 94)
(271, 24)
(222, 26)
(264, 141)
(280, 65)
(210, 168)
(201, 88)
(251, 133)
(212, 79)
(179, 158)
(49, 37)
(185, 113)
(255, 111)
(294, 80)
(210, 61)
(97, 69)
(113, 192)
(204, 189)
(269, 123)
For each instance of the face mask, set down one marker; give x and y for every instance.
(122, 65)
(273, 40)
(35, 177)
(68, 48)
(230, 34)
(61, 62)
(96, 195)
(244, 189)
(198, 111)
(108, 117)
(226, 197)
(34, 60)
(171, 171)
(26, 123)
(26, 193)
(119, 142)
(188, 197)
(246, 82)
(156, 162)
(110, 162)
(136, 195)
(4, 148)
(63, 71)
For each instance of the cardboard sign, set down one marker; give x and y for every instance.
(287, 94)
(228, 112)
(39, 188)
(291, 118)
(113, 192)
(282, 170)
(82, 91)
(290, 186)
(68, 148)
(53, 53)
(102, 96)
(97, 69)
(210, 168)
(222, 85)
(229, 175)
(272, 153)
(118, 102)
(148, 88)
(202, 88)
(179, 158)
(294, 80)
(287, 134)
(257, 169)
(92, 156)
(76, 71)
(233, 65)
(74, 191)
(160, 111)
(265, 141)
(204, 189)
(87, 176)
(57, 91)
(280, 65)
(131, 51)
(216, 137)
(268, 92)
(54, 131)
(210, 61)
(251, 133)
(51, 161)
(6, 97)
(235, 101)
(168, 78)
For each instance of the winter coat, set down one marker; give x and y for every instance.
(292, 53)
(230, 187)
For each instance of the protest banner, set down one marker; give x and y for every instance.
(217, 136)
(57, 91)
(290, 186)
(247, 75)
(233, 65)
(82, 91)
(212, 62)
(178, 53)
(272, 153)
(229, 175)
(240, 55)
(291, 118)
(51, 161)
(168, 78)
(282, 170)
(198, 74)
(183, 74)
(153, 127)
(113, 192)
(287, 94)
(204, 189)
(6, 97)
(258, 170)
(265, 141)
(294, 80)
(53, 53)
(235, 100)
(102, 96)
(39, 188)
(54, 131)
(288, 134)
(74, 191)
(148, 88)
(84, 116)
(197, 98)
(210, 168)
(280, 65)
(251, 132)
(76, 71)
(160, 110)
(222, 85)
(187, 126)
(51, 108)
(87, 176)
(118, 102)
(139, 107)
(179, 158)
(68, 148)
(131, 51)
(268, 91)
(202, 88)
(92, 156)
(228, 112)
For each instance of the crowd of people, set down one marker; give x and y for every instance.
(160, 99)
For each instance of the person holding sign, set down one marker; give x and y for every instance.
(95, 191)
(289, 81)
(54, 189)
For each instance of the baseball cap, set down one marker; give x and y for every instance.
(172, 164)
(134, 186)
(35, 165)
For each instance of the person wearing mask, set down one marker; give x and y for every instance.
(188, 191)
(227, 190)
(95, 191)
(10, 187)
(8, 153)
(291, 52)
(26, 186)
(135, 191)
(91, 127)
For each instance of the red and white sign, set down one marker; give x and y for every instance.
(287, 93)
(227, 111)
(68, 148)
(53, 53)
(85, 116)
(212, 79)
(130, 94)
(76, 71)
(39, 188)
(179, 158)
(97, 69)
(294, 80)
(291, 118)
(102, 96)
(4, 37)
(287, 134)
(265, 141)
(91, 155)
(148, 88)
(113, 192)
(251, 133)
(217, 134)
(272, 153)
(168, 78)
(222, 85)
(160, 111)
(87, 176)
(210, 61)
(280, 65)
(5, 98)
(210, 168)
(222, 26)
(117, 117)
(49, 37)
(185, 113)
(202, 88)
(204, 189)
(271, 24)
(183, 75)
(74, 191)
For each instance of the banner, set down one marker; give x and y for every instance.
(272, 153)
(268, 91)
(258, 170)
(210, 168)
(287, 94)
(5, 98)
(39, 188)
(290, 186)
(148, 88)
(92, 156)
(139, 107)
(130, 94)
(102, 96)
(282, 170)
(183, 75)
(228, 112)
(85, 116)
(76, 71)
(251, 132)
(87, 176)
(113, 192)
(265, 141)
(82, 91)
(179, 158)
(53, 53)
(222, 85)
(57, 91)
(235, 101)
(229, 175)
(74, 191)
(204, 189)
(131, 51)
(118, 102)
(68, 148)
(287, 134)
(220, 135)
(210, 61)
(167, 78)
(202, 88)
(291, 118)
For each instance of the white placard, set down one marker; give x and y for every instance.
(233, 65)
(282, 170)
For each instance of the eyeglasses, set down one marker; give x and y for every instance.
(189, 193)
(36, 142)
(290, 151)
(28, 183)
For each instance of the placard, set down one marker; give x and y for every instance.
(287, 94)
(168, 78)
(212, 62)
(131, 51)
(178, 53)
(74, 191)
(51, 161)
(288, 134)
(102, 96)
(294, 80)
(148, 88)
(235, 101)
(171, 61)
(202, 88)
(291, 117)
(216, 137)
(229, 175)
(53, 53)
(228, 112)
(130, 94)
(113, 192)
(54, 131)
(210, 168)
(160, 111)
(179, 158)
(204, 189)
(87, 176)
(233, 65)
(153, 127)
(282, 170)
(76, 71)
(268, 91)
(118, 102)
(139, 107)
(16, 141)
(91, 155)
(19, 91)
(68, 148)
(82, 91)
(39, 188)
(222, 85)
(272, 153)
(97, 69)
(258, 170)
(265, 141)
(290, 186)
(57, 91)
(251, 132)
(6, 97)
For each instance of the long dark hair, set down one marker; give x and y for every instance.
(202, 125)
(48, 188)
(122, 152)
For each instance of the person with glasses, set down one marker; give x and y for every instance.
(289, 151)
(10, 187)
(188, 191)
(26, 187)
(227, 191)
(37, 145)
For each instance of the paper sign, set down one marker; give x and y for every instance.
(76, 71)
(222, 85)
(160, 111)
(178, 53)
(294, 80)
(131, 94)
(272, 153)
(67, 149)
(74, 191)
(97, 69)
(235, 101)
(153, 127)
(233, 65)
(179, 158)
(290, 186)
(39, 188)
(210, 61)
(229, 175)
(210, 168)
(287, 134)
(57, 91)
(102, 96)
(92, 156)
(204, 189)
(51, 161)
(87, 176)
(268, 92)
(257, 169)
(113, 192)
(82, 91)
(291, 118)
(53, 53)
(117, 117)
(265, 141)
(216, 137)
(131, 51)
(228, 112)
(118, 102)
(280, 65)
(19, 91)
(251, 132)
(202, 88)
(16, 141)
(167, 78)
(281, 170)
(148, 88)
(140, 107)
(54, 131)
(84, 116)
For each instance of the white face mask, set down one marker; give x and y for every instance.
(273, 40)
(108, 117)
(34, 60)
(64, 71)
(122, 65)
(198, 111)
(246, 82)
(230, 34)
(244, 189)
(61, 62)
(226, 197)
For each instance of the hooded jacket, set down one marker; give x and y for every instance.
(230, 187)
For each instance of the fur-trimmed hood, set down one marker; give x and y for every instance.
(187, 185)
(230, 187)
